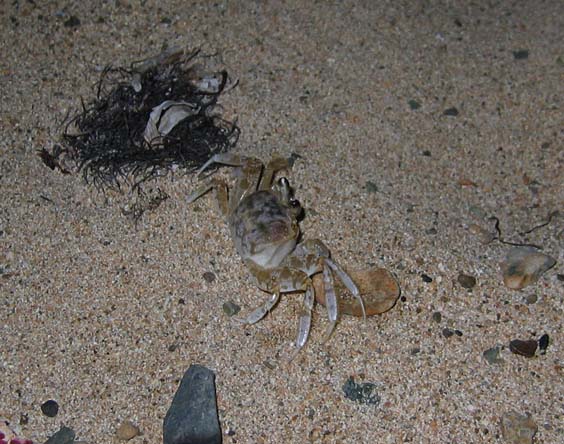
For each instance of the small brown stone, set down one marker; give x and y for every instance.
(209, 277)
(127, 430)
(523, 348)
(466, 280)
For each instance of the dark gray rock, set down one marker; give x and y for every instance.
(192, 416)
(63, 436)
(50, 408)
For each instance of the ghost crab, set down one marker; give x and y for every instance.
(262, 215)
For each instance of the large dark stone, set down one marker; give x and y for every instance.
(192, 416)
(63, 436)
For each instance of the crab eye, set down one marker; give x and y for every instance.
(294, 203)
(283, 182)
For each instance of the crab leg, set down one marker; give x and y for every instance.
(220, 189)
(346, 279)
(305, 318)
(304, 322)
(331, 300)
(260, 312)
(224, 159)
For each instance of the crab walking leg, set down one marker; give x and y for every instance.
(304, 322)
(305, 318)
(224, 159)
(220, 189)
(346, 279)
(260, 312)
(331, 300)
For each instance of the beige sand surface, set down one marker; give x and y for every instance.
(104, 317)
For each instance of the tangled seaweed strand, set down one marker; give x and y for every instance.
(107, 142)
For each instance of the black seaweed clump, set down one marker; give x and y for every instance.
(105, 140)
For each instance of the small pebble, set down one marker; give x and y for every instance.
(523, 348)
(453, 112)
(127, 430)
(531, 299)
(466, 280)
(521, 54)
(230, 308)
(50, 408)
(361, 393)
(484, 236)
(437, 317)
(523, 266)
(209, 277)
(544, 341)
(492, 355)
(371, 187)
(447, 332)
(413, 104)
(518, 429)
(426, 278)
(72, 22)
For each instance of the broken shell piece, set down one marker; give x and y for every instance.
(165, 117)
(523, 266)
(377, 286)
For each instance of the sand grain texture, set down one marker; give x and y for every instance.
(104, 316)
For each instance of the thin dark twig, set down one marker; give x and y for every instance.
(503, 241)
(544, 224)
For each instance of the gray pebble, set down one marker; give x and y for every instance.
(437, 317)
(447, 332)
(230, 308)
(492, 355)
(521, 54)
